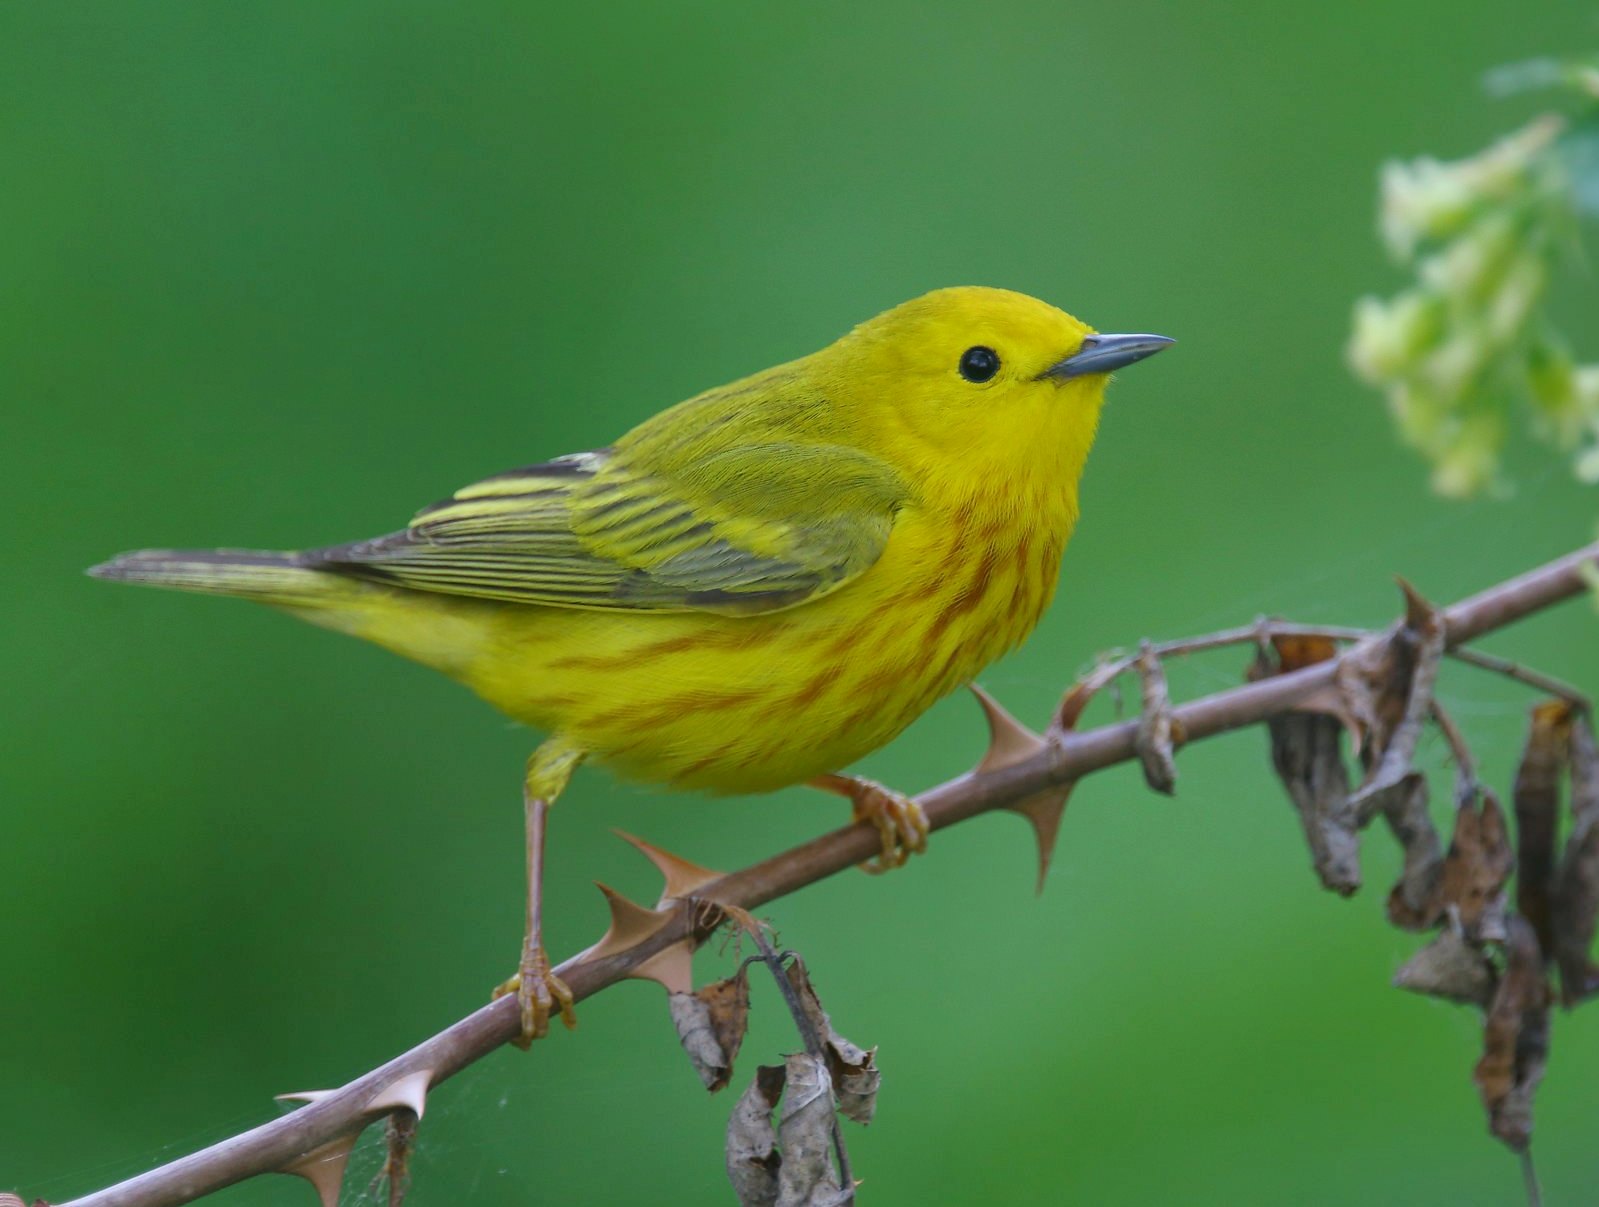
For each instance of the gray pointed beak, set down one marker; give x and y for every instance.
(1107, 353)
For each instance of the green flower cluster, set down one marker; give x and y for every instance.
(1456, 350)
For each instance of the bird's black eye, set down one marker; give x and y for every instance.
(979, 364)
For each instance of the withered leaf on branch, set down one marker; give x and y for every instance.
(1575, 900)
(1394, 689)
(1451, 968)
(806, 1178)
(1470, 886)
(1404, 807)
(1307, 754)
(853, 1069)
(1537, 801)
(1373, 682)
(1515, 1039)
(711, 1024)
(752, 1157)
(1158, 730)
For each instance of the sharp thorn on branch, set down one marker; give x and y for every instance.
(1009, 743)
(324, 1167)
(682, 878)
(633, 924)
(407, 1093)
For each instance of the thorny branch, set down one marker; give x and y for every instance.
(317, 1136)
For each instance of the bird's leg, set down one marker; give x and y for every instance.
(900, 822)
(538, 990)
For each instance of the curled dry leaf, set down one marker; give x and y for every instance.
(1157, 728)
(1537, 801)
(1307, 754)
(1451, 968)
(1515, 1039)
(1394, 690)
(1470, 886)
(752, 1157)
(1575, 899)
(711, 1024)
(1372, 682)
(1404, 807)
(805, 1178)
(853, 1070)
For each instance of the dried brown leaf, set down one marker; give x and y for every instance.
(1404, 808)
(711, 1024)
(1413, 655)
(1537, 802)
(1077, 698)
(1157, 728)
(1574, 904)
(1451, 968)
(806, 1178)
(1470, 885)
(1372, 681)
(752, 1157)
(1515, 1039)
(1307, 755)
(853, 1069)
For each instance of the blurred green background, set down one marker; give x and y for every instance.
(275, 275)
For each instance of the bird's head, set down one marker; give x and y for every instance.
(983, 377)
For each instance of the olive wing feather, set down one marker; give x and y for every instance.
(752, 528)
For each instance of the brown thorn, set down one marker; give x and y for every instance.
(408, 1093)
(324, 1167)
(1044, 811)
(1418, 611)
(1009, 741)
(631, 924)
(672, 969)
(681, 876)
(304, 1095)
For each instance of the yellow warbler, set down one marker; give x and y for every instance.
(753, 588)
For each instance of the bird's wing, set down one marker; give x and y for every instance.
(749, 528)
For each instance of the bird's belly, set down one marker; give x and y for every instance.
(754, 703)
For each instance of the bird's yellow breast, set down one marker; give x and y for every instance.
(752, 703)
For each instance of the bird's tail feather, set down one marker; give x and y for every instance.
(277, 578)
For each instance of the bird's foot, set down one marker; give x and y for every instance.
(900, 822)
(539, 992)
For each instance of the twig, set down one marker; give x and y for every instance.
(1524, 674)
(1529, 1179)
(1465, 765)
(1066, 758)
(1113, 665)
(812, 1041)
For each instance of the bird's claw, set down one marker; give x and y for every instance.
(900, 822)
(539, 992)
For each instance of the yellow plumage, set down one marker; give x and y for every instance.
(759, 585)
